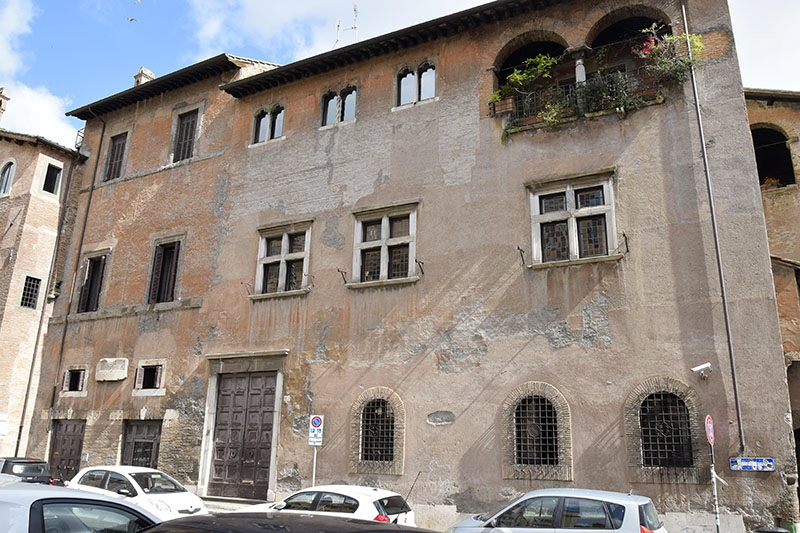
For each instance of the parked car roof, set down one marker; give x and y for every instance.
(605, 495)
(351, 489)
(288, 523)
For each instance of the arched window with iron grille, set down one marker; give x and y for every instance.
(666, 436)
(377, 431)
(535, 432)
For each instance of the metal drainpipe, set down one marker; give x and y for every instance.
(77, 267)
(723, 292)
(61, 217)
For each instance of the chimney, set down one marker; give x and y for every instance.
(3, 100)
(143, 76)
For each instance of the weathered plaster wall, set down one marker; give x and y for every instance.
(478, 324)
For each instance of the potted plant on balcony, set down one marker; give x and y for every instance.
(667, 56)
(517, 93)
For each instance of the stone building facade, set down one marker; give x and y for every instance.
(479, 299)
(34, 174)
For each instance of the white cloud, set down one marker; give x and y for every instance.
(35, 111)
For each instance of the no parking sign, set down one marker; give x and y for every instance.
(315, 430)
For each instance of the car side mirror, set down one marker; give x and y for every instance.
(279, 505)
(491, 523)
(124, 492)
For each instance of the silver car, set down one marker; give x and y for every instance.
(566, 511)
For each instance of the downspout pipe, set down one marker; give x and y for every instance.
(77, 265)
(723, 292)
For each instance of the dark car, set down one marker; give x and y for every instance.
(27, 469)
(276, 522)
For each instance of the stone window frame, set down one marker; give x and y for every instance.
(283, 230)
(340, 98)
(116, 158)
(7, 170)
(605, 178)
(58, 167)
(81, 392)
(395, 467)
(384, 214)
(561, 472)
(264, 122)
(416, 70)
(177, 112)
(695, 474)
(138, 377)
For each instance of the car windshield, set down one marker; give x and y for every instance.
(156, 482)
(648, 516)
(488, 514)
(29, 469)
(394, 505)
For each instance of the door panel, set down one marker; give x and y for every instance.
(243, 435)
(141, 443)
(67, 445)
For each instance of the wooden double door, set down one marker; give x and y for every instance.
(245, 417)
(66, 448)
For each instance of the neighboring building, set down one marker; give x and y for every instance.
(34, 175)
(349, 235)
(775, 125)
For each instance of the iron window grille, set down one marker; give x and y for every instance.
(74, 380)
(92, 284)
(377, 431)
(116, 154)
(184, 140)
(30, 292)
(573, 222)
(164, 273)
(535, 432)
(666, 436)
(6, 177)
(283, 260)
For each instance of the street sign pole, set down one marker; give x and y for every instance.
(315, 426)
(710, 436)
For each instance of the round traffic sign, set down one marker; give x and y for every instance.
(710, 429)
(316, 421)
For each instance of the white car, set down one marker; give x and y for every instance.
(152, 489)
(352, 501)
(567, 511)
(34, 508)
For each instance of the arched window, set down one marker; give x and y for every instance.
(330, 104)
(349, 104)
(535, 432)
(427, 82)
(6, 177)
(377, 431)
(405, 87)
(666, 437)
(773, 158)
(377, 426)
(276, 124)
(261, 127)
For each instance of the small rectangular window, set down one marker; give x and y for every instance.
(149, 377)
(184, 140)
(92, 284)
(51, 179)
(74, 380)
(30, 292)
(116, 153)
(164, 273)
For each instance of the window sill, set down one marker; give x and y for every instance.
(415, 104)
(119, 311)
(274, 295)
(73, 394)
(267, 142)
(340, 123)
(574, 262)
(149, 392)
(382, 283)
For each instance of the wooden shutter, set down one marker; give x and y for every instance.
(184, 141)
(65, 381)
(139, 378)
(84, 299)
(100, 265)
(159, 374)
(82, 380)
(173, 272)
(155, 277)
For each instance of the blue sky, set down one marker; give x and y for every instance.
(58, 55)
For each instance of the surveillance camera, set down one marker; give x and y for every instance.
(702, 368)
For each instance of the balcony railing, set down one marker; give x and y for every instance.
(600, 92)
